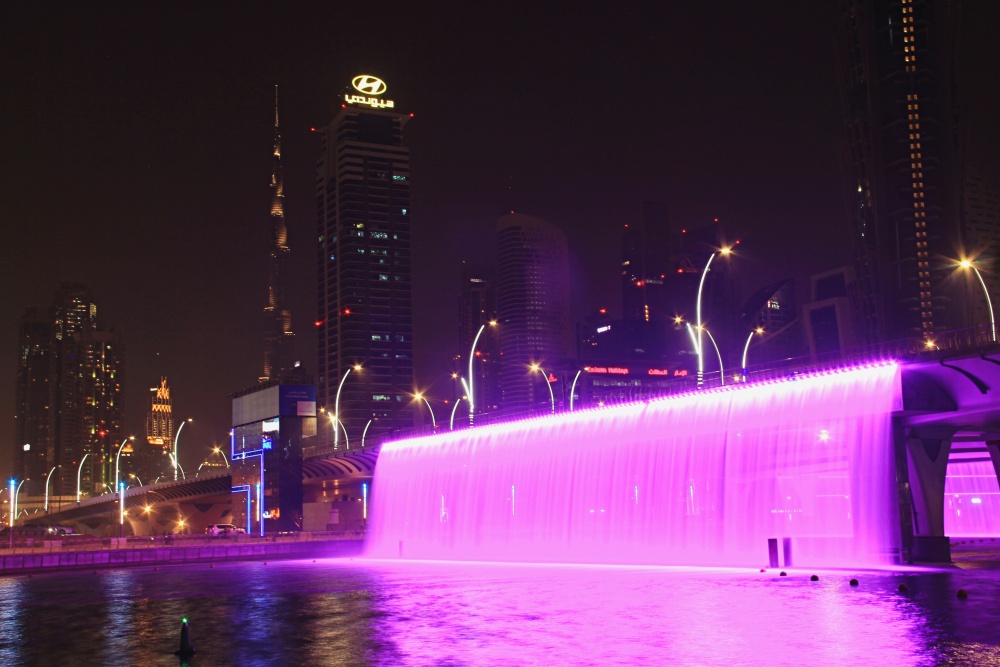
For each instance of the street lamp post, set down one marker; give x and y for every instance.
(722, 372)
(121, 509)
(177, 465)
(336, 406)
(177, 437)
(119, 455)
(572, 389)
(218, 450)
(10, 514)
(451, 426)
(967, 264)
(552, 396)
(746, 348)
(365, 432)
(472, 381)
(428, 404)
(79, 471)
(132, 474)
(16, 493)
(47, 478)
(699, 349)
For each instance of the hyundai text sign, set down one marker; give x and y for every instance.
(369, 87)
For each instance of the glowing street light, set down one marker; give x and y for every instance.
(699, 349)
(966, 264)
(119, 455)
(136, 478)
(174, 456)
(79, 471)
(420, 396)
(365, 432)
(722, 372)
(472, 381)
(335, 417)
(177, 466)
(451, 425)
(552, 397)
(47, 478)
(10, 513)
(572, 389)
(746, 348)
(15, 494)
(218, 450)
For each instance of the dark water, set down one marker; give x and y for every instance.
(353, 612)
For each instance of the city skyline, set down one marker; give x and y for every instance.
(141, 168)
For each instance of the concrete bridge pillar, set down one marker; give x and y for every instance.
(927, 465)
(993, 447)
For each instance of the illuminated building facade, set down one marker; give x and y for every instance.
(153, 458)
(533, 307)
(365, 306)
(898, 75)
(278, 334)
(32, 416)
(69, 396)
(270, 424)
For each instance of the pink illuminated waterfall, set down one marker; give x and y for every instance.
(700, 479)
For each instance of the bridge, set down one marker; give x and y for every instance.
(950, 413)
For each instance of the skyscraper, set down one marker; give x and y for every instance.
(898, 77)
(278, 335)
(154, 457)
(477, 308)
(533, 306)
(365, 306)
(83, 412)
(32, 416)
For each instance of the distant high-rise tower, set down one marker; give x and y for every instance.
(477, 307)
(154, 458)
(533, 306)
(898, 76)
(278, 335)
(32, 416)
(365, 313)
(85, 389)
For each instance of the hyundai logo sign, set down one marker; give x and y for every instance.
(370, 88)
(368, 84)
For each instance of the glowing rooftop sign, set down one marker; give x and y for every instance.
(370, 87)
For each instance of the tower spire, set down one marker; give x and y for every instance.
(278, 335)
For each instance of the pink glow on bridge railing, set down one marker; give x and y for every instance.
(703, 478)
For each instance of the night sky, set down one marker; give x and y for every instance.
(136, 143)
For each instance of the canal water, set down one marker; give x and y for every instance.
(358, 612)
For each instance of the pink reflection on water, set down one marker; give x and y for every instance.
(700, 479)
(490, 614)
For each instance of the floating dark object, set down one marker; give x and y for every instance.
(187, 649)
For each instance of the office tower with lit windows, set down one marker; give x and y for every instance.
(69, 396)
(32, 417)
(477, 308)
(153, 457)
(533, 307)
(278, 334)
(898, 77)
(365, 307)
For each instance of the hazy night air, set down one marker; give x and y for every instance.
(137, 160)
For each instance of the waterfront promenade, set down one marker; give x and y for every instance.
(79, 552)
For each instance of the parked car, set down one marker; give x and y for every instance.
(217, 529)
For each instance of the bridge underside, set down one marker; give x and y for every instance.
(951, 416)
